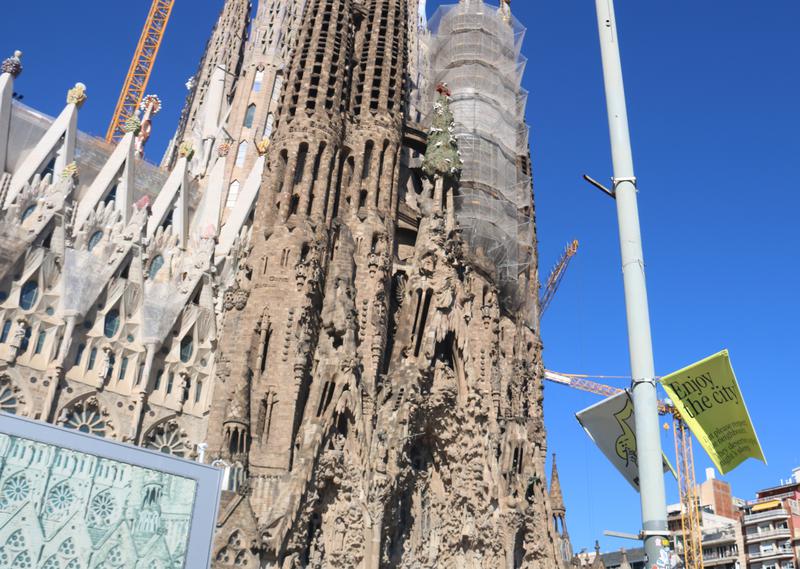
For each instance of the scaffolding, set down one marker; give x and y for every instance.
(475, 48)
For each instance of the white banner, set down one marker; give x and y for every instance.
(611, 426)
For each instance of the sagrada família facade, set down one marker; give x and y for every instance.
(327, 288)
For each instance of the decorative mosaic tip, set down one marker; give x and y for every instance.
(143, 203)
(70, 172)
(223, 149)
(505, 10)
(13, 65)
(262, 146)
(77, 95)
(133, 124)
(186, 150)
(442, 157)
(153, 103)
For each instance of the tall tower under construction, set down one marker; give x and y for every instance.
(328, 289)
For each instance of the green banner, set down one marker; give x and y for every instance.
(708, 398)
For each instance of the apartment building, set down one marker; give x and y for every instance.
(771, 527)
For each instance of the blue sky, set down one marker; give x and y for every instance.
(713, 92)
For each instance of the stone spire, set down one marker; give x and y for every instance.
(624, 564)
(556, 497)
(9, 70)
(598, 558)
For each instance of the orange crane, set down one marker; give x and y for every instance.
(556, 276)
(690, 513)
(142, 65)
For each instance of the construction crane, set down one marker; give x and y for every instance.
(691, 528)
(556, 276)
(141, 66)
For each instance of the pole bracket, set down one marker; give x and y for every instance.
(636, 382)
(610, 193)
(618, 181)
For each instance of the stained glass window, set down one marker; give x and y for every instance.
(86, 419)
(259, 80)
(111, 326)
(123, 369)
(250, 116)
(6, 330)
(187, 347)
(241, 153)
(28, 295)
(155, 266)
(96, 237)
(28, 212)
(40, 340)
(79, 354)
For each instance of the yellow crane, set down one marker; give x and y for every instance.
(691, 528)
(141, 66)
(556, 276)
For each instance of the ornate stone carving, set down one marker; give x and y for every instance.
(13, 65)
(77, 95)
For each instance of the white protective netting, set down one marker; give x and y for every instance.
(475, 50)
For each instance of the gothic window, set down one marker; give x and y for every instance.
(111, 195)
(123, 368)
(367, 159)
(270, 125)
(233, 192)
(15, 490)
(258, 81)
(250, 116)
(155, 266)
(96, 237)
(168, 439)
(9, 401)
(28, 295)
(5, 332)
(87, 419)
(170, 382)
(241, 153)
(276, 88)
(423, 318)
(92, 359)
(59, 501)
(198, 391)
(28, 212)
(159, 375)
(79, 354)
(23, 347)
(187, 348)
(265, 351)
(102, 510)
(111, 325)
(40, 340)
